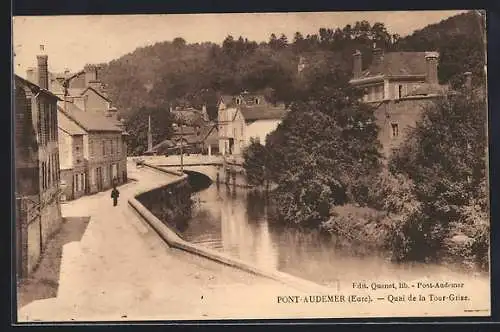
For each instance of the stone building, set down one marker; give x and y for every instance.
(71, 153)
(104, 150)
(244, 118)
(38, 213)
(399, 85)
(86, 104)
(84, 89)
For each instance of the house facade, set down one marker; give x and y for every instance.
(86, 105)
(399, 85)
(103, 151)
(244, 118)
(71, 154)
(38, 213)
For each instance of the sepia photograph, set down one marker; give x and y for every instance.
(298, 165)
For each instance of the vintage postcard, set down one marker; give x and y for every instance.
(251, 166)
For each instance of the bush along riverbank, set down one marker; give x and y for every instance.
(428, 203)
(171, 204)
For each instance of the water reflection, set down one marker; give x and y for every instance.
(238, 222)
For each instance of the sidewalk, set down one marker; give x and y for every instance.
(121, 269)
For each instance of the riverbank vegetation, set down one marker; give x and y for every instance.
(431, 203)
(445, 157)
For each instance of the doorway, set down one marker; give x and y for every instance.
(99, 179)
(231, 145)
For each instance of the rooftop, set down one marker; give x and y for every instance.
(398, 63)
(36, 87)
(90, 121)
(67, 125)
(264, 112)
(428, 89)
(247, 98)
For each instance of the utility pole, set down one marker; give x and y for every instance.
(182, 143)
(150, 135)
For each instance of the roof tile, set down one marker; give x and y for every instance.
(263, 112)
(90, 121)
(69, 126)
(399, 63)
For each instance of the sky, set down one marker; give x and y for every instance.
(72, 41)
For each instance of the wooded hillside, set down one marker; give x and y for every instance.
(176, 72)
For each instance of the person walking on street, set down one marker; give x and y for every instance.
(114, 195)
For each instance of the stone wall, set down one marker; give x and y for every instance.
(398, 116)
(33, 245)
(38, 215)
(67, 179)
(171, 204)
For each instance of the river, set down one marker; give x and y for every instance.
(236, 221)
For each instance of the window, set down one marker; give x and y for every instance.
(43, 175)
(82, 179)
(111, 145)
(49, 122)
(103, 148)
(238, 101)
(54, 125)
(395, 130)
(257, 101)
(400, 91)
(46, 124)
(58, 175)
(39, 124)
(49, 173)
(53, 171)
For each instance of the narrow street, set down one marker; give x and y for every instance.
(121, 269)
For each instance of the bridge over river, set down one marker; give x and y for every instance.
(225, 169)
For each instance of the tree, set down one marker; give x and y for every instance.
(321, 149)
(179, 42)
(137, 127)
(255, 164)
(282, 41)
(445, 157)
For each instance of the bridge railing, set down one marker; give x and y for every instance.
(175, 160)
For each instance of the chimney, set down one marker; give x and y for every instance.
(90, 74)
(468, 80)
(431, 59)
(43, 72)
(356, 68)
(31, 75)
(378, 56)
